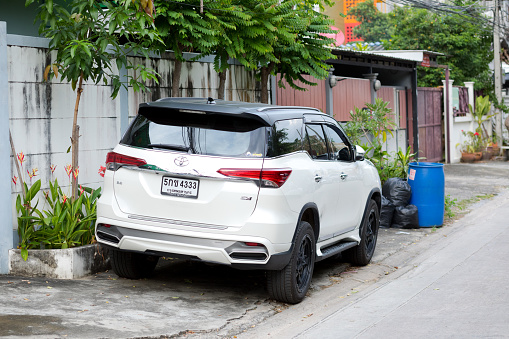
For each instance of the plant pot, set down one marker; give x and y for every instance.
(478, 156)
(467, 157)
(495, 150)
(70, 263)
(486, 155)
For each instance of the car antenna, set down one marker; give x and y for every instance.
(211, 101)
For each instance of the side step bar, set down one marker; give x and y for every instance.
(335, 249)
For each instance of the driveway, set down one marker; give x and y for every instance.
(191, 299)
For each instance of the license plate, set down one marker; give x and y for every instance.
(186, 188)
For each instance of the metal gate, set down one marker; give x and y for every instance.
(429, 122)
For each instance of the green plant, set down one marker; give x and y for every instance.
(64, 223)
(465, 203)
(67, 223)
(449, 33)
(403, 160)
(296, 45)
(474, 142)
(450, 204)
(371, 124)
(90, 38)
(27, 217)
(375, 26)
(184, 29)
(369, 128)
(481, 114)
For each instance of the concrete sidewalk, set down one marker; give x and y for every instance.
(190, 299)
(456, 288)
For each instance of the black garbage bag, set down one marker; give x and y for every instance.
(398, 191)
(386, 213)
(406, 217)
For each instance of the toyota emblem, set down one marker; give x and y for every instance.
(181, 161)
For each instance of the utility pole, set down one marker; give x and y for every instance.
(498, 80)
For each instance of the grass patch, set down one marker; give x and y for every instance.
(455, 209)
(463, 204)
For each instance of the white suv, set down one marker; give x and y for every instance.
(249, 185)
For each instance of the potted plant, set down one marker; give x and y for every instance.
(473, 146)
(52, 227)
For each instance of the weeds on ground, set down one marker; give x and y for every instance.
(450, 203)
(455, 209)
(463, 204)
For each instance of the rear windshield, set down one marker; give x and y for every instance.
(209, 134)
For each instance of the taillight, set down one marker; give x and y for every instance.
(270, 177)
(115, 160)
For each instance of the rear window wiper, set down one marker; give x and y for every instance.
(170, 147)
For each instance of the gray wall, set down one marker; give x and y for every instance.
(40, 113)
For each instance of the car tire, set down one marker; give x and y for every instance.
(361, 254)
(291, 284)
(132, 265)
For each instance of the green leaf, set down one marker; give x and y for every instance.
(112, 27)
(49, 6)
(34, 190)
(24, 254)
(69, 149)
(87, 50)
(18, 203)
(73, 50)
(94, 13)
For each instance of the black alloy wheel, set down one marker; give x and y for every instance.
(371, 233)
(361, 254)
(291, 284)
(304, 264)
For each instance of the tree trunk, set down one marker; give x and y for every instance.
(175, 79)
(222, 83)
(264, 78)
(75, 141)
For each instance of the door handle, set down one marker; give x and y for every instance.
(318, 178)
(343, 176)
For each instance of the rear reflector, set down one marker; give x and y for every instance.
(270, 177)
(116, 160)
(253, 244)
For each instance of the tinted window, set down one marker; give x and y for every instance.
(315, 142)
(199, 134)
(338, 146)
(285, 137)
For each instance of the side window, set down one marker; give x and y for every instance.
(338, 146)
(285, 138)
(315, 143)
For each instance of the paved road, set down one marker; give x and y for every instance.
(195, 300)
(456, 287)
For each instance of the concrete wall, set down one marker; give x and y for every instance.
(40, 113)
(460, 123)
(6, 236)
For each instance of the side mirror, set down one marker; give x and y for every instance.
(359, 153)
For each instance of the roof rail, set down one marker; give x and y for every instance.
(286, 107)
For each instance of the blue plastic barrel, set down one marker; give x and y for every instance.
(428, 192)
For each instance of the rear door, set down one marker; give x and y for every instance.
(326, 180)
(179, 184)
(200, 194)
(350, 187)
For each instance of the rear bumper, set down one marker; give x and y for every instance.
(212, 243)
(216, 248)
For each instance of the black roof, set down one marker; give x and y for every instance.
(265, 113)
